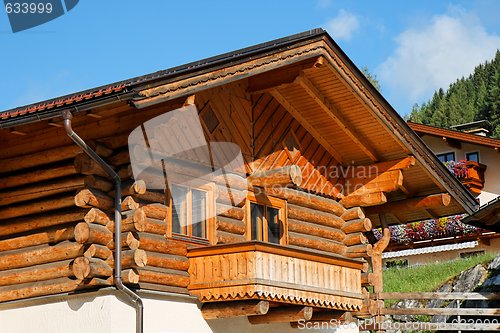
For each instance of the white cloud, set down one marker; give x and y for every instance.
(343, 25)
(449, 47)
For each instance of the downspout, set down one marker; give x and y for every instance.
(118, 219)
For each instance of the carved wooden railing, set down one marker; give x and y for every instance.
(256, 270)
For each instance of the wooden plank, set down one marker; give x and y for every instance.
(297, 115)
(337, 116)
(441, 311)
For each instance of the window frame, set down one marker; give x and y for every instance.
(467, 154)
(266, 202)
(209, 223)
(445, 154)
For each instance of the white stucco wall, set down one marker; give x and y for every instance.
(487, 156)
(103, 312)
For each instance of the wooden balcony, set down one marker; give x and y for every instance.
(278, 274)
(475, 177)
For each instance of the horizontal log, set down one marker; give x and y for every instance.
(232, 180)
(34, 223)
(359, 225)
(360, 248)
(97, 282)
(144, 224)
(287, 175)
(131, 240)
(40, 190)
(51, 236)
(164, 276)
(314, 216)
(133, 187)
(48, 287)
(315, 230)
(81, 267)
(353, 214)
(97, 216)
(218, 310)
(37, 176)
(39, 158)
(230, 196)
(152, 197)
(283, 315)
(232, 212)
(231, 225)
(162, 260)
(40, 254)
(156, 243)
(87, 166)
(88, 198)
(223, 237)
(355, 239)
(317, 243)
(39, 206)
(364, 200)
(86, 233)
(388, 181)
(36, 273)
(156, 211)
(163, 288)
(98, 251)
(129, 203)
(99, 268)
(130, 276)
(99, 183)
(134, 258)
(120, 157)
(308, 200)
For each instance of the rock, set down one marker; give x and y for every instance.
(443, 319)
(404, 304)
(470, 279)
(495, 264)
(493, 281)
(437, 303)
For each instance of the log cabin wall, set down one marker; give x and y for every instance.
(56, 204)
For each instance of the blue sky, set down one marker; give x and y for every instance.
(414, 47)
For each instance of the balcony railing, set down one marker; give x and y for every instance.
(470, 173)
(256, 270)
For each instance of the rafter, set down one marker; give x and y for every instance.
(296, 114)
(336, 115)
(418, 203)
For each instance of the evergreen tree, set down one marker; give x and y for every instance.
(476, 97)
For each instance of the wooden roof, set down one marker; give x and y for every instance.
(456, 135)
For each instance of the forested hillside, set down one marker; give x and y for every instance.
(468, 99)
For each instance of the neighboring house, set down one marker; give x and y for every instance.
(474, 158)
(241, 188)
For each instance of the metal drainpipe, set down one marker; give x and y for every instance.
(118, 219)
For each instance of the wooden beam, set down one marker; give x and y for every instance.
(418, 203)
(385, 182)
(336, 115)
(377, 168)
(283, 315)
(287, 175)
(296, 114)
(364, 200)
(231, 309)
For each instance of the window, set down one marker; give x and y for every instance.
(190, 213)
(266, 220)
(474, 156)
(446, 157)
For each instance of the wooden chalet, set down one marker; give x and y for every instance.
(305, 119)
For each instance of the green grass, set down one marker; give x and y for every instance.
(429, 277)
